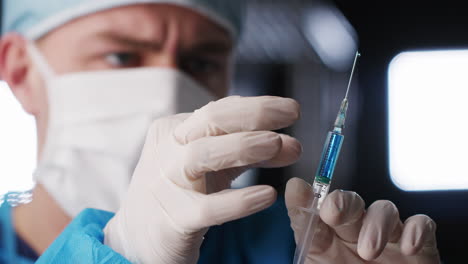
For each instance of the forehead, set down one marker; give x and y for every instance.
(145, 22)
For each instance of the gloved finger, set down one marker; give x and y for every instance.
(190, 210)
(161, 125)
(229, 151)
(418, 232)
(290, 152)
(379, 223)
(232, 204)
(299, 195)
(238, 114)
(344, 211)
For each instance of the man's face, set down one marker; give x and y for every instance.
(151, 35)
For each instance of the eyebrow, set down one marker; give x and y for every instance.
(131, 41)
(212, 46)
(206, 46)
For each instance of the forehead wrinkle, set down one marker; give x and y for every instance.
(131, 23)
(192, 26)
(138, 25)
(148, 25)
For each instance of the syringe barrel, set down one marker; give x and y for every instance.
(330, 153)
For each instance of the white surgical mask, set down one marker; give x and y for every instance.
(97, 125)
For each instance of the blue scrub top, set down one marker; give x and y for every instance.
(265, 237)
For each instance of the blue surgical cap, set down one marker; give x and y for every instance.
(35, 18)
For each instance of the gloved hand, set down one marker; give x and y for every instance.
(181, 185)
(350, 234)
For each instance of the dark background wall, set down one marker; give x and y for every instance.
(386, 28)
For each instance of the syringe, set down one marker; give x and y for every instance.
(323, 177)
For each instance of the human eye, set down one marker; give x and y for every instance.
(201, 66)
(123, 59)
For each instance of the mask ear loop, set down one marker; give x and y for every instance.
(47, 74)
(40, 61)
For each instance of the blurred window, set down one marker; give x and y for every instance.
(428, 120)
(17, 144)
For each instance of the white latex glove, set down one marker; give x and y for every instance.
(181, 185)
(350, 234)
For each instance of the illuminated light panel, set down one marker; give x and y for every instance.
(428, 120)
(17, 144)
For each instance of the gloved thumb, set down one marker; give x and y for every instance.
(232, 204)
